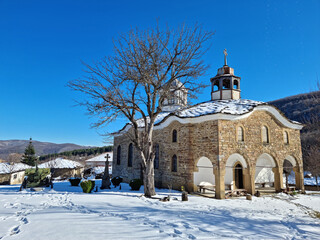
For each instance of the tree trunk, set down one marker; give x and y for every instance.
(317, 182)
(148, 180)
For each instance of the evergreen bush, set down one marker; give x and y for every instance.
(135, 184)
(116, 181)
(87, 186)
(37, 177)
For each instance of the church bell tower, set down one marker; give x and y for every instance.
(225, 85)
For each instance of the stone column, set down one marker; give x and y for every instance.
(299, 178)
(219, 181)
(278, 178)
(249, 184)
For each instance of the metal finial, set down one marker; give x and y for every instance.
(225, 56)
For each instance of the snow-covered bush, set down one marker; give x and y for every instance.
(87, 186)
(135, 184)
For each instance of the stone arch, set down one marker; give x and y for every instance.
(264, 175)
(292, 160)
(235, 157)
(232, 161)
(204, 172)
(296, 175)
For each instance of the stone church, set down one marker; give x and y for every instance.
(228, 142)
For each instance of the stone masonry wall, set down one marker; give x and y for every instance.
(208, 139)
(252, 147)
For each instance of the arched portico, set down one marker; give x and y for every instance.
(264, 172)
(291, 165)
(204, 172)
(235, 174)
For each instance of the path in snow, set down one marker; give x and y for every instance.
(124, 214)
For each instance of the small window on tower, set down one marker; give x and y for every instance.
(216, 86)
(226, 84)
(235, 84)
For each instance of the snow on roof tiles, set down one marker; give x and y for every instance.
(234, 107)
(101, 157)
(6, 168)
(60, 163)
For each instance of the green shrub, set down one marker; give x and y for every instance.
(87, 186)
(135, 184)
(116, 181)
(37, 178)
(74, 181)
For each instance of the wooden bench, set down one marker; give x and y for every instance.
(236, 193)
(203, 188)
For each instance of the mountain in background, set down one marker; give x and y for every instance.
(42, 148)
(299, 107)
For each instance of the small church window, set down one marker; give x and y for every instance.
(240, 134)
(226, 84)
(216, 86)
(286, 137)
(174, 167)
(265, 134)
(174, 135)
(130, 155)
(118, 155)
(235, 84)
(157, 156)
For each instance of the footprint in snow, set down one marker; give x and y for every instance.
(24, 220)
(190, 236)
(176, 231)
(14, 230)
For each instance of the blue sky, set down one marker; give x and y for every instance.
(273, 46)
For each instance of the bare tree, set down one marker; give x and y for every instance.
(135, 81)
(310, 135)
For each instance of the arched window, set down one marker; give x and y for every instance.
(174, 135)
(235, 84)
(157, 156)
(265, 134)
(216, 86)
(130, 155)
(118, 155)
(286, 137)
(240, 134)
(174, 163)
(226, 84)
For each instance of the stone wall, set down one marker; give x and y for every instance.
(252, 147)
(211, 139)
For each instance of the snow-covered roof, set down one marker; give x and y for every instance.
(6, 168)
(101, 158)
(61, 163)
(231, 109)
(234, 107)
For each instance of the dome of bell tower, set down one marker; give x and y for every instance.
(225, 85)
(177, 97)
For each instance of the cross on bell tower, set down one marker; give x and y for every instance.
(225, 85)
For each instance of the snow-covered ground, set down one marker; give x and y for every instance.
(67, 213)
